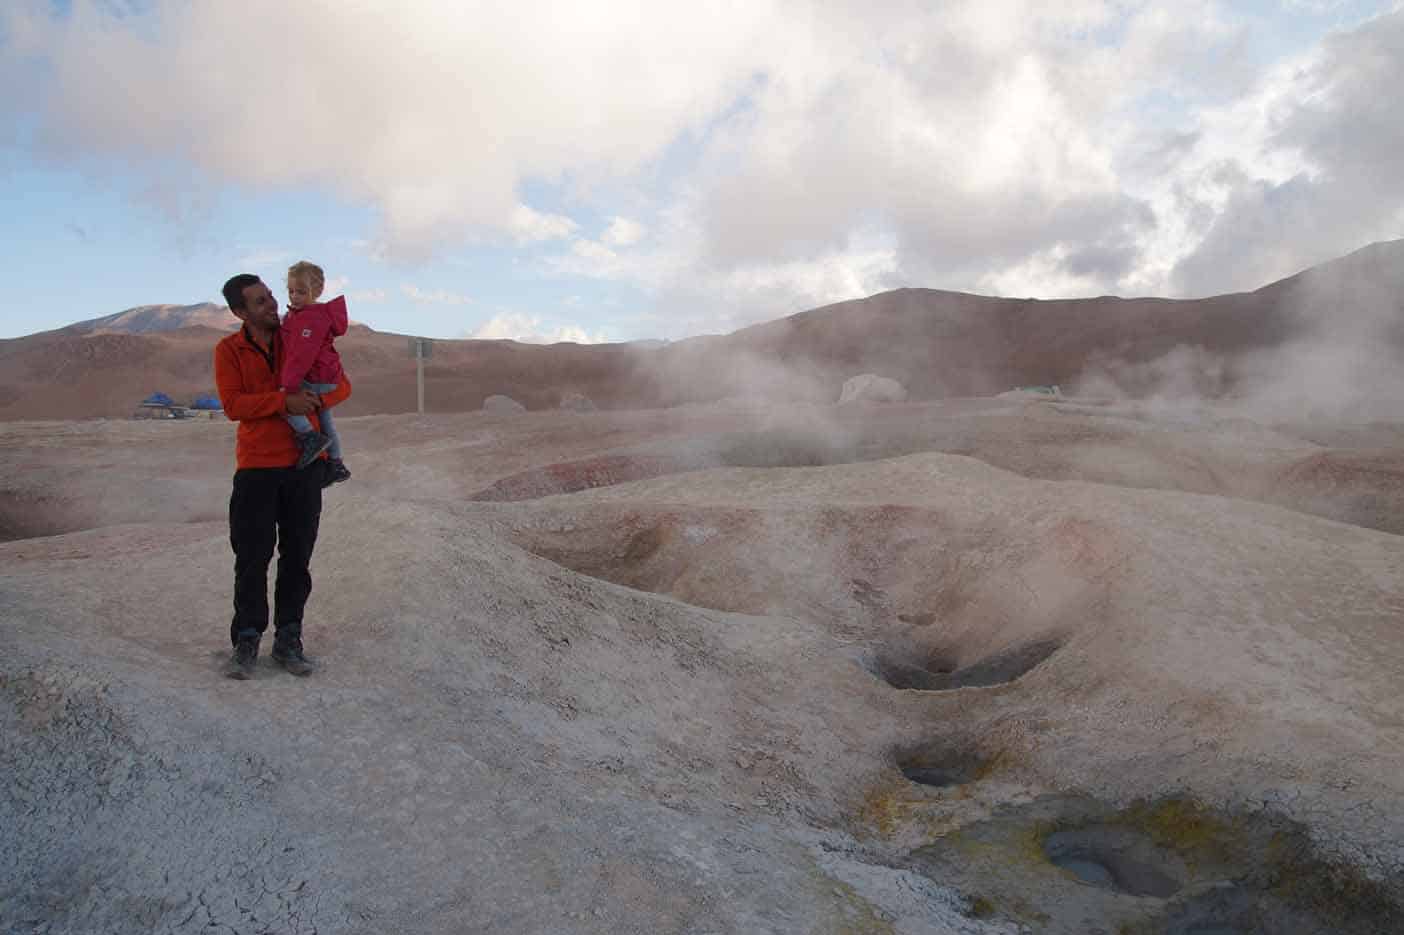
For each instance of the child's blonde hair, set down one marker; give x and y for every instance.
(309, 273)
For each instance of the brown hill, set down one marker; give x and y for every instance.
(145, 319)
(941, 344)
(937, 343)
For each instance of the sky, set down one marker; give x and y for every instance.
(616, 171)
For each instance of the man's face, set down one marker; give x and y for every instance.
(260, 308)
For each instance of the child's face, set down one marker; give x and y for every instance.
(300, 292)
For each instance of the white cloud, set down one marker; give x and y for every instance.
(256, 258)
(786, 152)
(593, 251)
(530, 226)
(1019, 156)
(529, 329)
(432, 110)
(367, 296)
(857, 269)
(979, 133)
(1301, 170)
(623, 232)
(695, 297)
(966, 145)
(376, 251)
(435, 297)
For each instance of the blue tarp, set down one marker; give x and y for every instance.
(158, 399)
(206, 402)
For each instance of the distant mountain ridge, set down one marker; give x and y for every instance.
(146, 319)
(1338, 324)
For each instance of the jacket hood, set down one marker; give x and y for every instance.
(336, 308)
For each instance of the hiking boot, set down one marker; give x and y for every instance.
(337, 471)
(288, 654)
(310, 444)
(241, 664)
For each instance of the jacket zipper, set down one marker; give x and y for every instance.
(268, 354)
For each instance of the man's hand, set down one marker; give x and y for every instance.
(303, 402)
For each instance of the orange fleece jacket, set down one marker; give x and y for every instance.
(246, 377)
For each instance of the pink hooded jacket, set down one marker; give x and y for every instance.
(308, 352)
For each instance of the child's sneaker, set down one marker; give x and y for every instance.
(311, 444)
(337, 471)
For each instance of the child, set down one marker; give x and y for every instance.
(310, 362)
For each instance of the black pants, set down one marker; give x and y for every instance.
(268, 506)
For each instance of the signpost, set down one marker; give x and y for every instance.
(421, 349)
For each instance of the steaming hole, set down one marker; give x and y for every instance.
(783, 449)
(1115, 859)
(1002, 667)
(938, 777)
(902, 674)
(942, 763)
(937, 673)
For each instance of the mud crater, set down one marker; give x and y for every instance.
(939, 671)
(585, 474)
(770, 449)
(851, 568)
(1069, 865)
(943, 764)
(1117, 859)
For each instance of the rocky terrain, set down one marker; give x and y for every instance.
(969, 665)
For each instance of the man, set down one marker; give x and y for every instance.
(273, 501)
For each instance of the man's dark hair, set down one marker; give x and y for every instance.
(234, 290)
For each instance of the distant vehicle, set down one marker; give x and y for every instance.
(159, 406)
(146, 411)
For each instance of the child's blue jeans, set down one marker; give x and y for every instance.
(302, 424)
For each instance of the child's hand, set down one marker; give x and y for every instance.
(302, 402)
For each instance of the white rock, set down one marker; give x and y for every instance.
(502, 404)
(578, 402)
(870, 387)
